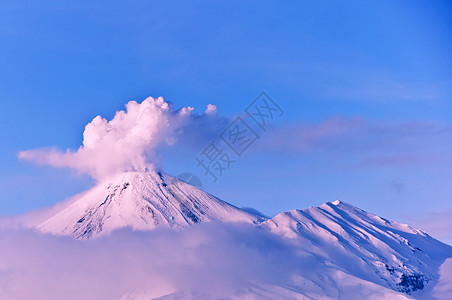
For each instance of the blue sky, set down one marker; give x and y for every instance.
(366, 88)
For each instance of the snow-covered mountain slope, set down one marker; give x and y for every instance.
(143, 201)
(344, 238)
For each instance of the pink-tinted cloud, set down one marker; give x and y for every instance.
(372, 142)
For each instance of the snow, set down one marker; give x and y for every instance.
(337, 202)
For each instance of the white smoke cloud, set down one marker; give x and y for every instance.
(127, 142)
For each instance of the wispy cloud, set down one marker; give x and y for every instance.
(373, 142)
(386, 90)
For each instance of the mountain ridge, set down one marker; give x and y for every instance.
(385, 252)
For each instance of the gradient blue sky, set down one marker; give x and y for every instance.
(367, 83)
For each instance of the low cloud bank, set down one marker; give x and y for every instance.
(204, 259)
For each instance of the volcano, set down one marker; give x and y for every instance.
(142, 201)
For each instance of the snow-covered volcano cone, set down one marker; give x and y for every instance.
(142, 201)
